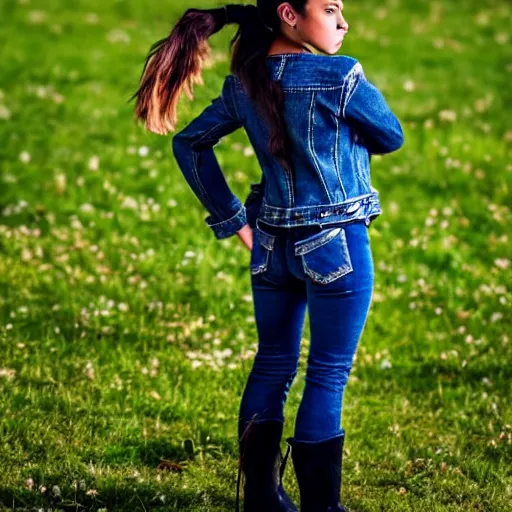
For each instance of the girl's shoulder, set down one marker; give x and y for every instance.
(306, 70)
(296, 70)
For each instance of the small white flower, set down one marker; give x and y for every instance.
(36, 17)
(502, 38)
(497, 315)
(25, 157)
(385, 364)
(448, 115)
(87, 208)
(130, 203)
(502, 263)
(143, 151)
(5, 113)
(409, 86)
(94, 163)
(7, 373)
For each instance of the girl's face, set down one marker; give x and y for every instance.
(323, 25)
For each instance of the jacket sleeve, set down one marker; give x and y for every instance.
(193, 150)
(366, 109)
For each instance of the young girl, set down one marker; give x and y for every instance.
(314, 120)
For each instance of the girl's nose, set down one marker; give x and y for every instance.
(343, 24)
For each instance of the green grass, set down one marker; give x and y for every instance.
(127, 330)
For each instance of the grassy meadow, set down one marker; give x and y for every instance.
(126, 329)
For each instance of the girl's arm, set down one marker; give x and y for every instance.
(193, 150)
(367, 110)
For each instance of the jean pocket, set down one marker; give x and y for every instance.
(325, 255)
(262, 248)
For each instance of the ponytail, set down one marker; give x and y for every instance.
(175, 63)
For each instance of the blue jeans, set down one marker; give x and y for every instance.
(330, 270)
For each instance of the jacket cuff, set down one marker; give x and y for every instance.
(230, 226)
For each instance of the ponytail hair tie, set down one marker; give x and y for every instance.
(239, 17)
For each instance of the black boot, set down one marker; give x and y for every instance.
(263, 466)
(318, 470)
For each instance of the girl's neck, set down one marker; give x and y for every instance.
(284, 45)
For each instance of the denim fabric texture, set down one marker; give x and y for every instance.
(328, 270)
(336, 119)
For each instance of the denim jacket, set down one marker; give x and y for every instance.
(336, 120)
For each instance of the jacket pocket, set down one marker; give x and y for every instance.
(262, 248)
(325, 255)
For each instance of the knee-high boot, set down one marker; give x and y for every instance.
(318, 467)
(263, 466)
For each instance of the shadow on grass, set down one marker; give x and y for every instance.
(118, 496)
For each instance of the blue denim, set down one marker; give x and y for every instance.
(336, 120)
(329, 271)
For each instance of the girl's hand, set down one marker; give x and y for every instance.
(245, 234)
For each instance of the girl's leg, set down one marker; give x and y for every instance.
(279, 314)
(337, 313)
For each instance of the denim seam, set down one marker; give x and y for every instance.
(261, 268)
(200, 185)
(311, 88)
(353, 79)
(311, 143)
(359, 166)
(336, 149)
(233, 103)
(305, 247)
(204, 136)
(344, 269)
(267, 240)
(258, 269)
(368, 197)
(281, 68)
(216, 224)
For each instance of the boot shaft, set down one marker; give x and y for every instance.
(263, 465)
(318, 467)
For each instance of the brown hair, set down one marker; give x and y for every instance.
(175, 63)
